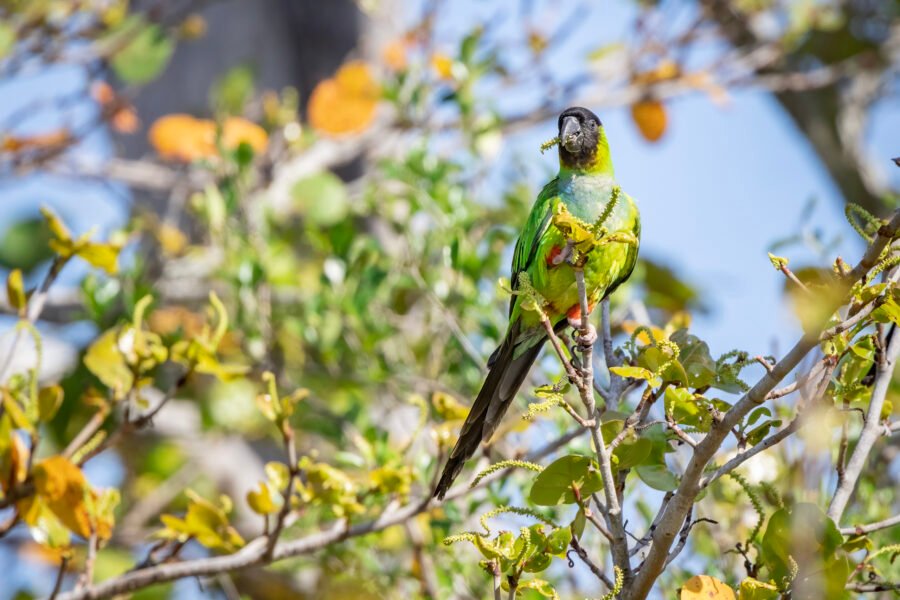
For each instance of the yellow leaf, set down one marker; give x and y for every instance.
(345, 103)
(15, 412)
(260, 500)
(105, 360)
(102, 256)
(171, 239)
(447, 407)
(643, 337)
(666, 70)
(57, 227)
(49, 400)
(63, 488)
(15, 291)
(443, 65)
(650, 117)
(704, 587)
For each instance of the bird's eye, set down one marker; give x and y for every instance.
(593, 124)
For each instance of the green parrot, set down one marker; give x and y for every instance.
(585, 185)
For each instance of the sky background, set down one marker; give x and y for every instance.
(720, 187)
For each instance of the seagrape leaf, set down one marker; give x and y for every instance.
(694, 356)
(658, 477)
(630, 454)
(805, 527)
(554, 484)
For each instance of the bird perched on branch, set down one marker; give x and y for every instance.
(585, 189)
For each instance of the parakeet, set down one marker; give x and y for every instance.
(585, 185)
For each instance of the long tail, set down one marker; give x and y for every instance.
(504, 378)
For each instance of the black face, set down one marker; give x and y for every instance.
(579, 132)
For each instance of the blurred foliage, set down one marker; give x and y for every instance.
(335, 330)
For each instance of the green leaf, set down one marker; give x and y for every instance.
(554, 484)
(631, 454)
(757, 413)
(558, 541)
(686, 409)
(694, 356)
(658, 477)
(579, 523)
(232, 91)
(804, 529)
(322, 198)
(753, 589)
(145, 56)
(24, 245)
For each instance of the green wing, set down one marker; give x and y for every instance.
(535, 227)
(631, 259)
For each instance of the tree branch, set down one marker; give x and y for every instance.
(677, 509)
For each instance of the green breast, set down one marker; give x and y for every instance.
(586, 197)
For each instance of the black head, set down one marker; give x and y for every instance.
(580, 132)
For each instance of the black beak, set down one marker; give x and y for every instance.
(570, 134)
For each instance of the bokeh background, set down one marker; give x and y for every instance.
(394, 150)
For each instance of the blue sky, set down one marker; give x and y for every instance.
(715, 192)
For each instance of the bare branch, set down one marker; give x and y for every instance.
(876, 526)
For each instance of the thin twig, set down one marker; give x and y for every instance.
(60, 576)
(586, 559)
(876, 526)
(619, 544)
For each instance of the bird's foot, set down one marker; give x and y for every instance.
(583, 340)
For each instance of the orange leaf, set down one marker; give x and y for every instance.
(102, 93)
(236, 130)
(345, 103)
(186, 138)
(183, 137)
(125, 120)
(666, 70)
(13, 463)
(650, 117)
(52, 139)
(62, 487)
